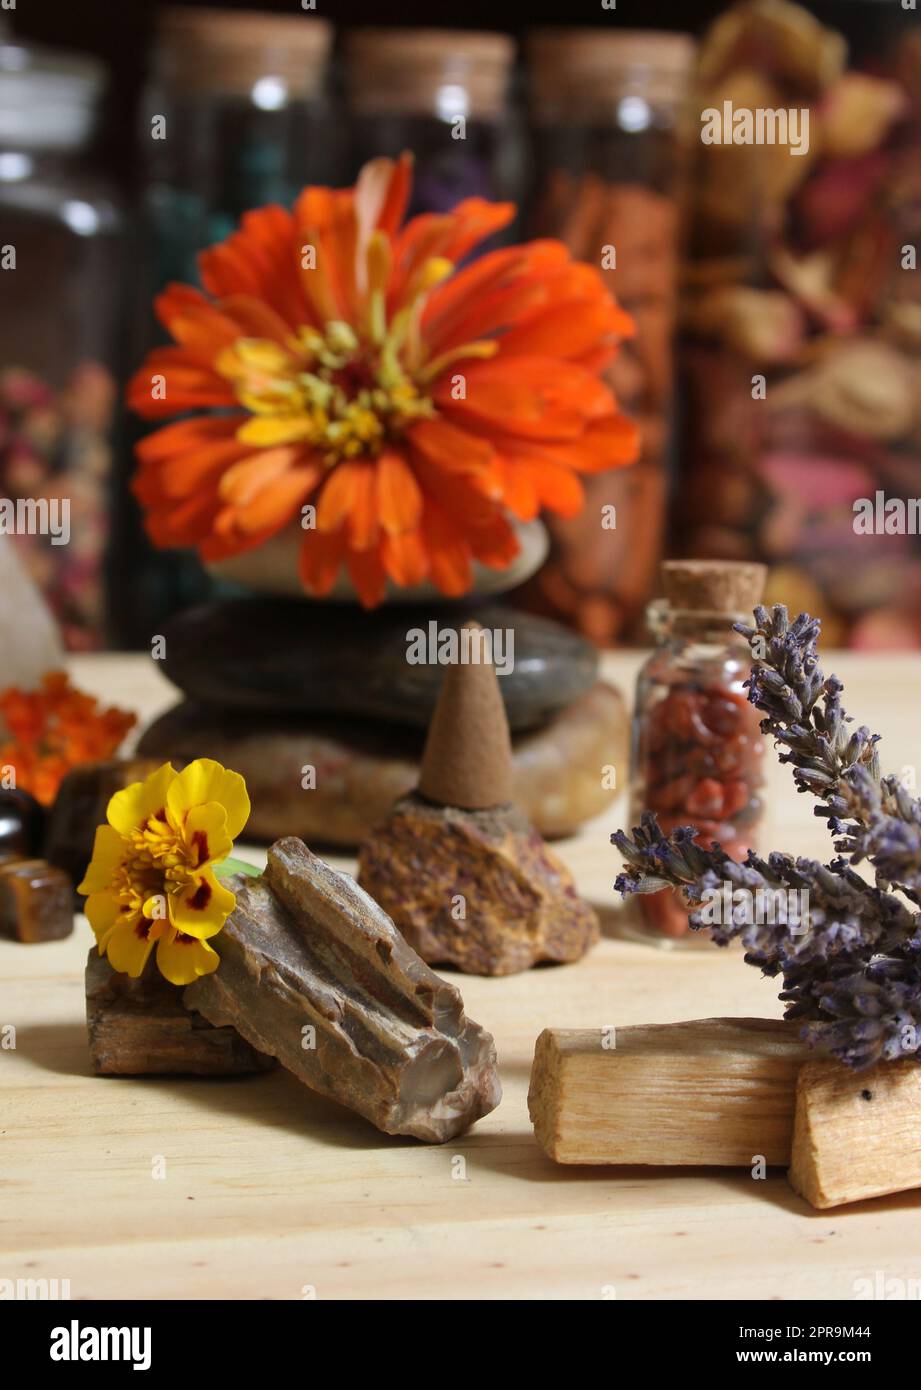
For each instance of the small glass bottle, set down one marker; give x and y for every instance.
(697, 748)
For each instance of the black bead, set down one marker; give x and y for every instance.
(22, 823)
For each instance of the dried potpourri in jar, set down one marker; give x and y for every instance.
(697, 747)
(801, 313)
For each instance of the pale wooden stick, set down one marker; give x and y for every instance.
(714, 1090)
(856, 1134)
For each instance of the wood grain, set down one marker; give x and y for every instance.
(712, 1090)
(856, 1134)
(268, 1191)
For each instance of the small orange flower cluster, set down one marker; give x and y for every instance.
(54, 728)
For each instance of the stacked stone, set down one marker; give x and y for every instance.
(324, 708)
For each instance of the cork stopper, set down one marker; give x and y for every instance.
(229, 52)
(589, 69)
(468, 752)
(442, 72)
(713, 586)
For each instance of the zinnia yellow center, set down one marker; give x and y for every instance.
(344, 391)
(328, 390)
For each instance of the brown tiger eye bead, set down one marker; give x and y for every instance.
(36, 901)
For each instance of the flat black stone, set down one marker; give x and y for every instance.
(22, 824)
(324, 658)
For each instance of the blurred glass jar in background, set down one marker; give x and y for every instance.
(236, 116)
(242, 98)
(444, 95)
(608, 115)
(59, 297)
(802, 313)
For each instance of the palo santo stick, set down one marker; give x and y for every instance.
(713, 1090)
(856, 1133)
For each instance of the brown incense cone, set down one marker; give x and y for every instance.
(468, 751)
(465, 877)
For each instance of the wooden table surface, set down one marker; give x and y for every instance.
(269, 1192)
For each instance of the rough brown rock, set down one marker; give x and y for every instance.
(142, 1028)
(478, 890)
(315, 973)
(361, 769)
(468, 881)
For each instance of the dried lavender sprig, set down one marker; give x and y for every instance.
(869, 1015)
(845, 914)
(850, 932)
(874, 816)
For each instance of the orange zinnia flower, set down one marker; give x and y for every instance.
(53, 729)
(347, 364)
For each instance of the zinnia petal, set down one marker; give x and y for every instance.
(405, 557)
(321, 556)
(399, 497)
(366, 569)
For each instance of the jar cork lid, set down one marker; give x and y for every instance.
(590, 66)
(560, 57)
(228, 53)
(442, 72)
(713, 586)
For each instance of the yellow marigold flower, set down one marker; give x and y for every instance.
(151, 880)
